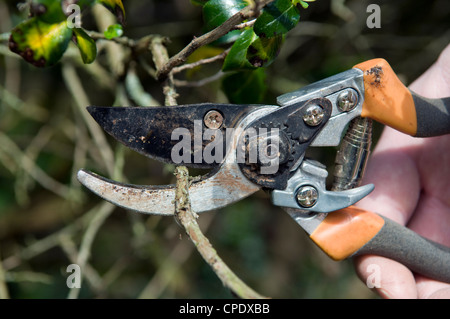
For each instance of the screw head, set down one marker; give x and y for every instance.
(307, 196)
(314, 115)
(213, 119)
(347, 100)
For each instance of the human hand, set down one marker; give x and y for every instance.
(412, 187)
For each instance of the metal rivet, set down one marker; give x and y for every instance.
(314, 115)
(213, 119)
(347, 100)
(307, 196)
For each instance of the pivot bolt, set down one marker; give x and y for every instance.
(307, 196)
(213, 119)
(347, 100)
(314, 115)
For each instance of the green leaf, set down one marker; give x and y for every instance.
(113, 31)
(277, 18)
(86, 45)
(116, 7)
(263, 51)
(237, 57)
(250, 52)
(216, 12)
(303, 3)
(245, 87)
(52, 11)
(40, 43)
(49, 11)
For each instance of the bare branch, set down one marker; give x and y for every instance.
(4, 293)
(218, 57)
(85, 250)
(199, 83)
(187, 218)
(75, 87)
(213, 35)
(9, 147)
(245, 25)
(160, 58)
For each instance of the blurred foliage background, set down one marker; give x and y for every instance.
(48, 221)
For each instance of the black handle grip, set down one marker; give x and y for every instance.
(433, 116)
(414, 251)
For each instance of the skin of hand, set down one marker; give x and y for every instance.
(412, 187)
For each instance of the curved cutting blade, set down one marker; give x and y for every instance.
(225, 185)
(155, 131)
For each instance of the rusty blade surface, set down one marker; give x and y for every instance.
(227, 186)
(223, 186)
(154, 131)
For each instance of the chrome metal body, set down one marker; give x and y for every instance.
(332, 88)
(221, 188)
(314, 174)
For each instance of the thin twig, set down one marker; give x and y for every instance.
(199, 83)
(213, 35)
(136, 90)
(85, 249)
(188, 218)
(39, 175)
(75, 87)
(245, 25)
(29, 110)
(167, 271)
(4, 293)
(160, 58)
(192, 65)
(89, 272)
(125, 41)
(51, 240)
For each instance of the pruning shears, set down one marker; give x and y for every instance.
(253, 147)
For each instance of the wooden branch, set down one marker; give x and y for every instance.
(213, 35)
(160, 58)
(75, 87)
(4, 292)
(183, 213)
(192, 65)
(188, 219)
(199, 83)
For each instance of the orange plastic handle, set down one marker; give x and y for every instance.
(387, 100)
(342, 233)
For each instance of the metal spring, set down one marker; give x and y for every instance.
(351, 159)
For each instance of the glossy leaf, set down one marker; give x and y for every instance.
(113, 31)
(216, 12)
(49, 11)
(52, 11)
(263, 51)
(245, 86)
(116, 7)
(277, 18)
(40, 43)
(251, 51)
(237, 57)
(86, 45)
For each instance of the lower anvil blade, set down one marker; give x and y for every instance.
(155, 131)
(223, 188)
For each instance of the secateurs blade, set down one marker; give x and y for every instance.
(253, 147)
